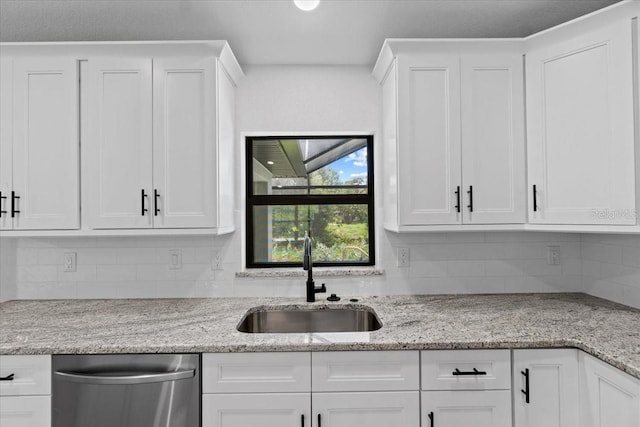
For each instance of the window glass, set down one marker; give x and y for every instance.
(322, 186)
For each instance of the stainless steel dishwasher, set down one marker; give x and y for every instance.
(141, 390)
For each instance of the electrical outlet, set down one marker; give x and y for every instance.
(553, 255)
(216, 261)
(175, 259)
(69, 265)
(403, 257)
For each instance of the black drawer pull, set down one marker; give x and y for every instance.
(430, 415)
(458, 199)
(458, 372)
(526, 390)
(14, 211)
(319, 420)
(9, 377)
(470, 193)
(302, 420)
(535, 199)
(144, 198)
(156, 209)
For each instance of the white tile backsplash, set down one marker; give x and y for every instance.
(138, 267)
(611, 267)
(607, 266)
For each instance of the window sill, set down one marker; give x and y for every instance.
(317, 272)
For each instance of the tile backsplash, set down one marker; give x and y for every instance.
(611, 267)
(139, 267)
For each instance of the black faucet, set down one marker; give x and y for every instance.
(307, 264)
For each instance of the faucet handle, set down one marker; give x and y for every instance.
(322, 289)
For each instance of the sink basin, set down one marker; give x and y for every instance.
(299, 320)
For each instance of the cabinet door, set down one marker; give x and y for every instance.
(428, 139)
(609, 397)
(493, 139)
(466, 408)
(184, 142)
(6, 142)
(25, 411)
(580, 129)
(552, 388)
(264, 410)
(374, 409)
(120, 143)
(46, 145)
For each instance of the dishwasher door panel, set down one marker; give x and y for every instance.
(145, 390)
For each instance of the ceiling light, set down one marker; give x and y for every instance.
(269, 162)
(306, 5)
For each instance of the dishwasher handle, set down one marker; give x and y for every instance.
(106, 378)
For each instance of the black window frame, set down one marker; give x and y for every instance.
(306, 199)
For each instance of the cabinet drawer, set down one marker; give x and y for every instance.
(456, 370)
(31, 375)
(365, 371)
(25, 411)
(256, 372)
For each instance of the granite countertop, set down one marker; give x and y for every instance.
(603, 329)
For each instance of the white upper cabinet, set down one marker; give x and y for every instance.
(39, 177)
(453, 133)
(580, 124)
(159, 141)
(184, 154)
(493, 138)
(119, 143)
(428, 138)
(6, 143)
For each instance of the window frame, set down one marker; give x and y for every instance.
(252, 200)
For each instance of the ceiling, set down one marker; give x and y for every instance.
(275, 31)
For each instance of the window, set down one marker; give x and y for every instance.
(322, 186)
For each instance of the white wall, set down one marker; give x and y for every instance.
(297, 99)
(8, 289)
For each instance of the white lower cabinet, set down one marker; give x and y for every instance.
(25, 391)
(608, 396)
(545, 391)
(487, 408)
(466, 387)
(25, 411)
(359, 388)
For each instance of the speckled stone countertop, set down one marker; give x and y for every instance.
(606, 330)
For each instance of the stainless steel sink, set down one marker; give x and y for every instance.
(302, 320)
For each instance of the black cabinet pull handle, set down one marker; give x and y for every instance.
(2, 211)
(470, 193)
(526, 390)
(144, 198)
(9, 377)
(302, 420)
(319, 420)
(430, 415)
(458, 199)
(535, 199)
(14, 211)
(156, 209)
(475, 371)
